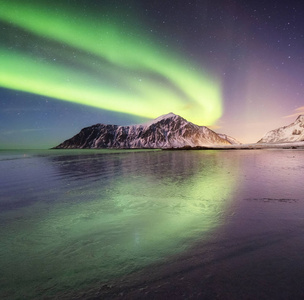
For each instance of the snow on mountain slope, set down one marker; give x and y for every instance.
(230, 139)
(291, 133)
(167, 131)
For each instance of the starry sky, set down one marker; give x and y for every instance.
(234, 66)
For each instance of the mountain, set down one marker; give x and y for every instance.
(167, 131)
(291, 133)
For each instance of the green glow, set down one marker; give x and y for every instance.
(149, 81)
(88, 232)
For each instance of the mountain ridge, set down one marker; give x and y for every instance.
(166, 131)
(293, 132)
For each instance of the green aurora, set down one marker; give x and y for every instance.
(57, 52)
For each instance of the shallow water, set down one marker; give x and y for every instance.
(102, 223)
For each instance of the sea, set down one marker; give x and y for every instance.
(152, 224)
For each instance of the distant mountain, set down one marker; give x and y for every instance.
(167, 131)
(291, 133)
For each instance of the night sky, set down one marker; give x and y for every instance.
(234, 66)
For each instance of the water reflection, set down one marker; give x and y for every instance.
(88, 218)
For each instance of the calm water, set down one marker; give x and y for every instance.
(152, 224)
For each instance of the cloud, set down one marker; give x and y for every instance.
(298, 111)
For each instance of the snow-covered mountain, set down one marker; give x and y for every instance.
(167, 131)
(291, 133)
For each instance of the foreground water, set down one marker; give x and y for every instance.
(140, 224)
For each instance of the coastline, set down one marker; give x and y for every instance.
(256, 146)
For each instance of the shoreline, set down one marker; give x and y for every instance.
(256, 146)
(289, 146)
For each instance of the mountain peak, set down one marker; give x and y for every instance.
(169, 115)
(162, 117)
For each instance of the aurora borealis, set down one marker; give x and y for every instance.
(134, 70)
(235, 67)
